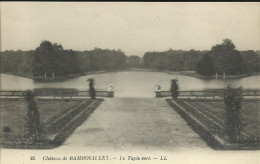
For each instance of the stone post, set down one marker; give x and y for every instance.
(110, 93)
(158, 93)
(110, 90)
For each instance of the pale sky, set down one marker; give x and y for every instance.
(132, 27)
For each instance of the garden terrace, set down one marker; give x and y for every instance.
(206, 117)
(58, 119)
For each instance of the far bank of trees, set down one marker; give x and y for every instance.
(134, 61)
(173, 60)
(50, 58)
(205, 66)
(101, 59)
(17, 62)
(222, 58)
(227, 60)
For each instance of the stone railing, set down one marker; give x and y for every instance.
(207, 93)
(57, 93)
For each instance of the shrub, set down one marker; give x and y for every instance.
(233, 101)
(92, 91)
(174, 88)
(6, 129)
(33, 115)
(67, 100)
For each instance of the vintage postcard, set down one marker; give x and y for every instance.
(121, 82)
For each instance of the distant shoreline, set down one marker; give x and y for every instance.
(185, 73)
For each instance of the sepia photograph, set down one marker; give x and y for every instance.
(130, 82)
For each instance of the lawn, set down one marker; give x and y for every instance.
(57, 115)
(211, 113)
(250, 114)
(13, 113)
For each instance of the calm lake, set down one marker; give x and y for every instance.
(129, 83)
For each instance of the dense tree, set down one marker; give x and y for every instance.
(102, 59)
(52, 58)
(173, 60)
(17, 62)
(44, 59)
(251, 60)
(192, 57)
(227, 59)
(134, 61)
(205, 66)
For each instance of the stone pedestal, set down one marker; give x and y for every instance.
(110, 93)
(158, 94)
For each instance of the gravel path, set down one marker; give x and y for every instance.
(134, 124)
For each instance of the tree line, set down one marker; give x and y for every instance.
(49, 58)
(222, 59)
(173, 60)
(225, 59)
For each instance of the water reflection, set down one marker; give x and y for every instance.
(130, 84)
